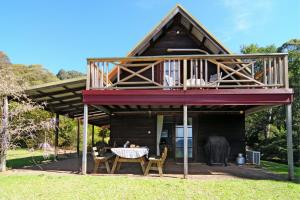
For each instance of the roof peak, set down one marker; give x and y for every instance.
(190, 18)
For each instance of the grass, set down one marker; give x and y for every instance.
(34, 186)
(39, 185)
(278, 168)
(22, 157)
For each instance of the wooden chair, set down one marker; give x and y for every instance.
(159, 161)
(100, 159)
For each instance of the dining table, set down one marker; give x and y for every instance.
(129, 155)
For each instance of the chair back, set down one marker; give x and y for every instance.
(94, 153)
(215, 77)
(164, 155)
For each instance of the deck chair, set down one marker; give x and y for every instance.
(158, 161)
(100, 159)
(213, 78)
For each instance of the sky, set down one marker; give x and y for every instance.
(61, 34)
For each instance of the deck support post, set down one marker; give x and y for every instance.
(185, 142)
(93, 135)
(56, 136)
(289, 138)
(78, 136)
(84, 145)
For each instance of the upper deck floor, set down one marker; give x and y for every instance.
(184, 72)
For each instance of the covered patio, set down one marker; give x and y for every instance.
(171, 170)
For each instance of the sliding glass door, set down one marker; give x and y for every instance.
(179, 141)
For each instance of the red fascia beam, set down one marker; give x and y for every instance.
(189, 97)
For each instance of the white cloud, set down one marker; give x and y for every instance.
(247, 14)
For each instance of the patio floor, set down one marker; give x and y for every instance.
(171, 169)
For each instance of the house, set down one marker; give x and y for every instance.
(177, 87)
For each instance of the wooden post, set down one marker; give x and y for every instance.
(286, 72)
(184, 74)
(88, 79)
(185, 142)
(56, 136)
(5, 135)
(84, 145)
(289, 138)
(78, 136)
(93, 135)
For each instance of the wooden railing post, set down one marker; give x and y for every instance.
(107, 69)
(206, 72)
(184, 74)
(265, 72)
(286, 72)
(118, 73)
(88, 76)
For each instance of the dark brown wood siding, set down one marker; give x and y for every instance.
(231, 126)
(175, 37)
(134, 128)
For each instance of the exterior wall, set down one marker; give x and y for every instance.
(135, 128)
(175, 37)
(170, 39)
(231, 126)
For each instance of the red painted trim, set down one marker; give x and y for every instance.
(189, 97)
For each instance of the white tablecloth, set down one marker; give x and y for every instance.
(137, 152)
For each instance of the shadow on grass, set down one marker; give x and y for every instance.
(27, 161)
(279, 168)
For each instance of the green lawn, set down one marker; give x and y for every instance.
(278, 168)
(34, 186)
(22, 158)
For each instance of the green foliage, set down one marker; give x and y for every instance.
(62, 74)
(67, 137)
(254, 48)
(33, 74)
(104, 135)
(265, 131)
(290, 46)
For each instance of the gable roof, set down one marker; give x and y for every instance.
(189, 22)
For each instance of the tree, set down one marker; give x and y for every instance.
(265, 130)
(293, 48)
(266, 116)
(33, 74)
(4, 60)
(15, 121)
(62, 74)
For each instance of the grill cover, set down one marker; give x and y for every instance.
(217, 150)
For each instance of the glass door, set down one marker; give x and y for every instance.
(171, 73)
(179, 141)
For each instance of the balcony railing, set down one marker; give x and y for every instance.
(189, 72)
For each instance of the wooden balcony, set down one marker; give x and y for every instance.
(189, 72)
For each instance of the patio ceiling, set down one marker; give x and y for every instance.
(65, 98)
